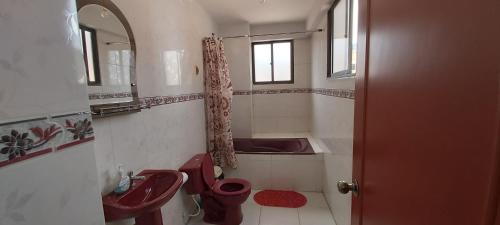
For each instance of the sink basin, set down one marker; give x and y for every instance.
(144, 199)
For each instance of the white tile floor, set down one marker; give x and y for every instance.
(315, 212)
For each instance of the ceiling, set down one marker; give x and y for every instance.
(255, 12)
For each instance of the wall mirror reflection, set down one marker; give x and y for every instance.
(109, 56)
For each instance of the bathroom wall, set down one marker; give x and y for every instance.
(280, 172)
(332, 126)
(238, 56)
(285, 112)
(42, 75)
(168, 34)
(256, 109)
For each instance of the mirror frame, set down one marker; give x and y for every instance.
(111, 109)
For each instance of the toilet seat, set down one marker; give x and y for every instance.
(231, 186)
(226, 187)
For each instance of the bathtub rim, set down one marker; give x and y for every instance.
(310, 147)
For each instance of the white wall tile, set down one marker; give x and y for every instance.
(42, 72)
(168, 26)
(285, 172)
(282, 113)
(127, 141)
(241, 117)
(248, 157)
(58, 188)
(238, 56)
(257, 172)
(302, 48)
(40, 60)
(105, 158)
(297, 174)
(332, 128)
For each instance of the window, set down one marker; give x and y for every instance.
(90, 55)
(272, 62)
(342, 38)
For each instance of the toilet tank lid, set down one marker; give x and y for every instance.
(194, 163)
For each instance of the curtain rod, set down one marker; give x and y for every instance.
(272, 34)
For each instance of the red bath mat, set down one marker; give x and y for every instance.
(276, 198)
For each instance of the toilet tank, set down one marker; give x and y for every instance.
(195, 183)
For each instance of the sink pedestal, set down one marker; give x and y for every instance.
(151, 218)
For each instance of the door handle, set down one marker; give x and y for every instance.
(345, 187)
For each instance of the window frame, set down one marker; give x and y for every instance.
(330, 19)
(95, 55)
(292, 57)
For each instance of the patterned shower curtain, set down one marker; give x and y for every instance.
(218, 98)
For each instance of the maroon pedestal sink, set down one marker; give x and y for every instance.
(144, 200)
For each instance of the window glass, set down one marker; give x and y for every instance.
(342, 38)
(262, 62)
(282, 60)
(354, 30)
(90, 56)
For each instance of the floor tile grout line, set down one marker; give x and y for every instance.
(298, 216)
(260, 214)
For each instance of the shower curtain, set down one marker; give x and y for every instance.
(218, 98)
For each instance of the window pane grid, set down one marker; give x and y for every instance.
(272, 62)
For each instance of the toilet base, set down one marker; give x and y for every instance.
(231, 216)
(151, 218)
(234, 216)
(216, 213)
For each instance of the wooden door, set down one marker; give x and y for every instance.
(426, 148)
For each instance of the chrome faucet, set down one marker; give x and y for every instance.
(132, 177)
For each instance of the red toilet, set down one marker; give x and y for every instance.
(221, 199)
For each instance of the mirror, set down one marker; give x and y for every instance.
(109, 55)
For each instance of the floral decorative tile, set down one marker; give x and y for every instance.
(77, 129)
(26, 139)
(21, 140)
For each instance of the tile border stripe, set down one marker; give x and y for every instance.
(148, 102)
(98, 96)
(77, 142)
(340, 93)
(25, 139)
(26, 157)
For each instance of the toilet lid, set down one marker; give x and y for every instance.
(208, 171)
